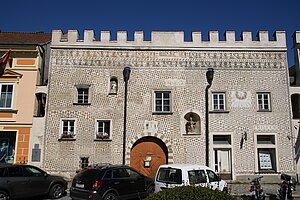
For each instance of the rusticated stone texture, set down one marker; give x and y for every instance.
(240, 74)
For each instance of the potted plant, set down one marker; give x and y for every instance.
(68, 135)
(102, 136)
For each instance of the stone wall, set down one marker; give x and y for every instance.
(240, 73)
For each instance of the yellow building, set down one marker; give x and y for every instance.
(22, 97)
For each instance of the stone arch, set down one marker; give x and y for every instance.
(155, 135)
(147, 154)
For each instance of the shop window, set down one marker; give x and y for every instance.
(266, 152)
(7, 146)
(267, 160)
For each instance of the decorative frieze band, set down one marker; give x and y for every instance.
(210, 55)
(178, 59)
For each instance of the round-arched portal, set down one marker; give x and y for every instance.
(147, 154)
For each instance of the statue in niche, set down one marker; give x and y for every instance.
(113, 86)
(190, 126)
(192, 123)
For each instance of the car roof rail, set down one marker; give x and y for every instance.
(99, 165)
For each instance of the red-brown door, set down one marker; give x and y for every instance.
(152, 150)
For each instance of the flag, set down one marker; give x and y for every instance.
(3, 62)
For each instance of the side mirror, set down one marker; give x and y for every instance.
(45, 174)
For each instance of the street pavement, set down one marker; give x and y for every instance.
(269, 189)
(237, 190)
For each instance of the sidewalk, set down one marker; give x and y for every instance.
(240, 189)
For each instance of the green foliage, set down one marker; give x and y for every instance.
(190, 193)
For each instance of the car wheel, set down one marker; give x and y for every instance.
(56, 191)
(150, 190)
(110, 196)
(3, 195)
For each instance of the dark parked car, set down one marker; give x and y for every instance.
(110, 182)
(23, 181)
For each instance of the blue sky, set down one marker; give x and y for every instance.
(153, 15)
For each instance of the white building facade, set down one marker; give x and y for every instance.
(248, 103)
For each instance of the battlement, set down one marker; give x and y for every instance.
(169, 39)
(296, 37)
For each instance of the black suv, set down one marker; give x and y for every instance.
(23, 181)
(110, 182)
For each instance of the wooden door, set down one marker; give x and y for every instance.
(147, 150)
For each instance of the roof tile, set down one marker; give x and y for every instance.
(24, 38)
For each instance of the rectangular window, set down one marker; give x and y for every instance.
(218, 101)
(265, 139)
(83, 95)
(263, 100)
(6, 95)
(222, 139)
(163, 101)
(68, 129)
(266, 160)
(266, 152)
(103, 130)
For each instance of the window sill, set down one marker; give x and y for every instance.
(8, 111)
(266, 172)
(262, 111)
(219, 111)
(66, 139)
(82, 104)
(191, 134)
(162, 113)
(102, 140)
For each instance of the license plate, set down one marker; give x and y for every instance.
(79, 185)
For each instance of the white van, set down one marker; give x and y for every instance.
(169, 176)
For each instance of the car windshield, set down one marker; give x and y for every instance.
(169, 175)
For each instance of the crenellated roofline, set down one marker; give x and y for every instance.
(169, 39)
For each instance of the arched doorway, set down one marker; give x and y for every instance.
(147, 154)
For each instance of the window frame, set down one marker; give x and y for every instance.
(218, 101)
(12, 95)
(261, 107)
(170, 99)
(97, 128)
(69, 136)
(84, 96)
(261, 146)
